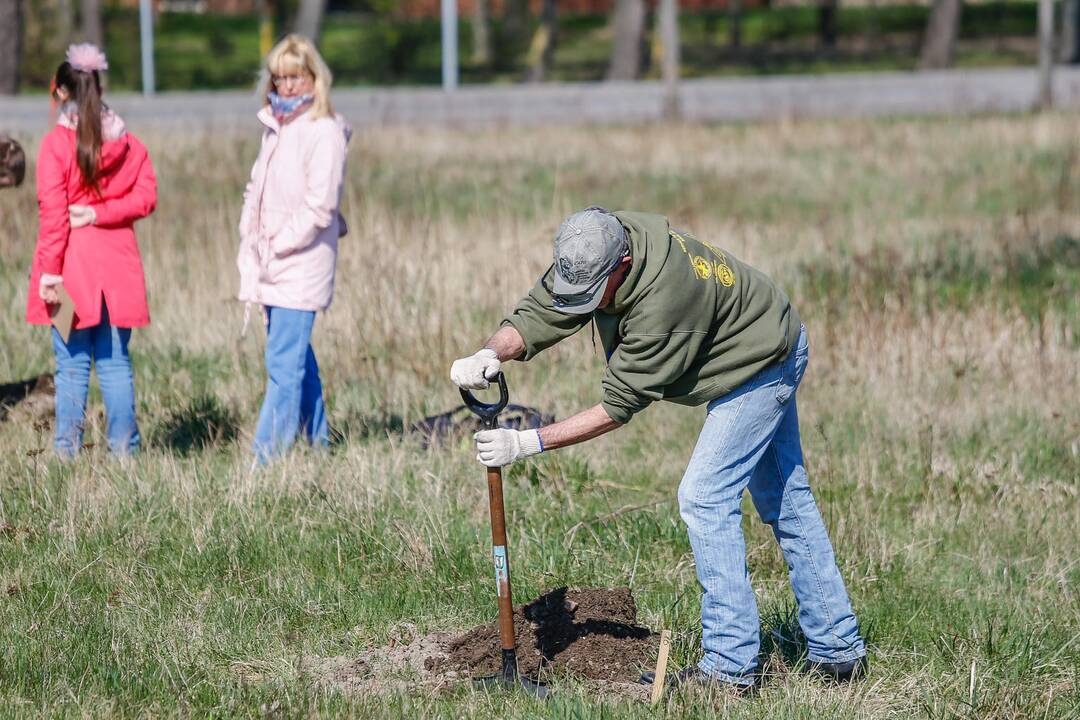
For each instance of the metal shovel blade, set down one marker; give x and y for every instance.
(509, 678)
(515, 682)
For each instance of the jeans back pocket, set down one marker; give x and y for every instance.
(785, 388)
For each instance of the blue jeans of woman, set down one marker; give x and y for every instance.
(294, 400)
(106, 347)
(751, 441)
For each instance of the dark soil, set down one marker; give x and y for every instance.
(35, 394)
(587, 632)
(15, 392)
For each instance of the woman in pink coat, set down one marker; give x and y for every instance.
(94, 180)
(289, 231)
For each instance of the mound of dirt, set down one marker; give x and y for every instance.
(587, 632)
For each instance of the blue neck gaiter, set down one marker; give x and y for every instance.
(286, 107)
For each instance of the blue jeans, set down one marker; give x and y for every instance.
(106, 347)
(294, 400)
(751, 440)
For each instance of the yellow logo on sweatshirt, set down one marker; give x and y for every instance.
(679, 238)
(702, 267)
(706, 269)
(724, 274)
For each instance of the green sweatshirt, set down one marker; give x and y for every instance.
(689, 324)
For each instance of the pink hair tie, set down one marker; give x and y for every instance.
(87, 57)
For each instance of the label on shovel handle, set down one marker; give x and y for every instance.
(502, 572)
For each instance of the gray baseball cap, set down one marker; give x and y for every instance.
(588, 247)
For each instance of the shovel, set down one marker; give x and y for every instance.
(508, 677)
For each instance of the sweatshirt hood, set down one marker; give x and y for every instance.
(649, 246)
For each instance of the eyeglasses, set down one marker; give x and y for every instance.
(283, 80)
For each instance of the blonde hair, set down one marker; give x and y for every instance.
(296, 54)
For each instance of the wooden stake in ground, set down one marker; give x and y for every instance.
(661, 667)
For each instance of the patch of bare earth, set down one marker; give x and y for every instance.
(589, 635)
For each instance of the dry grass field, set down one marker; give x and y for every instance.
(936, 264)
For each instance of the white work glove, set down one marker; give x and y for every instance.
(81, 215)
(501, 446)
(47, 288)
(473, 372)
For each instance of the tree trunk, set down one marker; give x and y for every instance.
(827, 12)
(481, 33)
(628, 25)
(515, 22)
(309, 17)
(1070, 32)
(1046, 54)
(90, 19)
(542, 48)
(734, 13)
(10, 45)
(669, 63)
(266, 26)
(65, 22)
(942, 28)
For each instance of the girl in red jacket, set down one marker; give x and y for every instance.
(94, 180)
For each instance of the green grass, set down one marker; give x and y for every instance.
(933, 261)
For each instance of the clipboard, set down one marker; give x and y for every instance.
(63, 313)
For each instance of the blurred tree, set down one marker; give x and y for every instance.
(942, 28)
(734, 13)
(1070, 31)
(481, 28)
(10, 41)
(48, 26)
(515, 22)
(65, 22)
(827, 12)
(628, 28)
(266, 26)
(1046, 55)
(542, 49)
(309, 17)
(90, 19)
(670, 54)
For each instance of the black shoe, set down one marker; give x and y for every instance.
(694, 676)
(840, 672)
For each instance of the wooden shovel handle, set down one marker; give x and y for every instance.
(501, 557)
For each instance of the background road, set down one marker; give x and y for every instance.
(775, 97)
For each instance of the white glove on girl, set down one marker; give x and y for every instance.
(473, 372)
(501, 446)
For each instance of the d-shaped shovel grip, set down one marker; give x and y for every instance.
(487, 412)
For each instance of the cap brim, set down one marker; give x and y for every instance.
(560, 287)
(582, 302)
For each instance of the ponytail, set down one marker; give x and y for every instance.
(84, 89)
(88, 131)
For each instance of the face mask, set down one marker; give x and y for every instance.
(284, 107)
